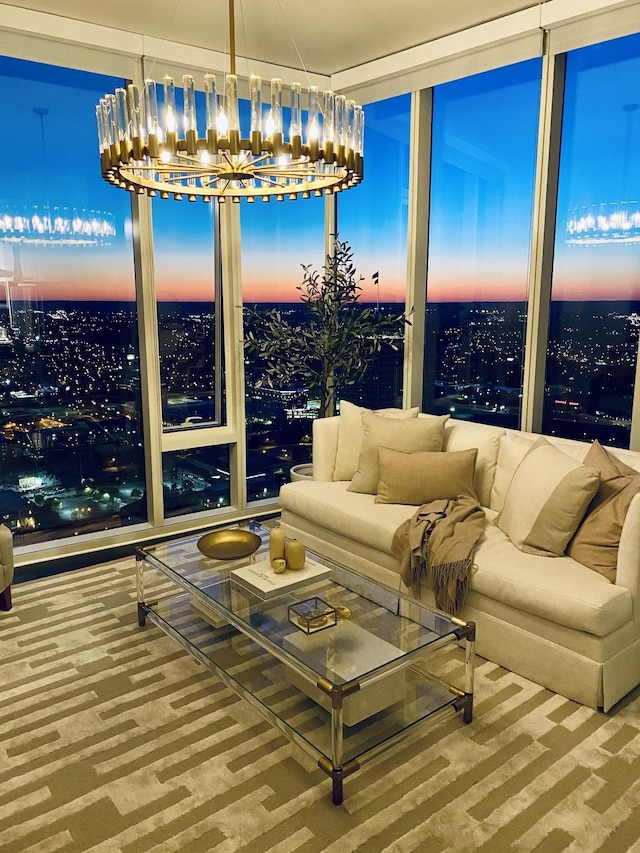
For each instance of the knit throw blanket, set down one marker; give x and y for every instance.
(437, 545)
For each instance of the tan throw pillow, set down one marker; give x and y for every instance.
(546, 500)
(351, 434)
(408, 435)
(596, 540)
(418, 478)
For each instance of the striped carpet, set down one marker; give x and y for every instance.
(113, 739)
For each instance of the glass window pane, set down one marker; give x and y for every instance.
(594, 325)
(483, 161)
(190, 334)
(373, 219)
(275, 243)
(71, 434)
(195, 480)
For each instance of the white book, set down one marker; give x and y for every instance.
(263, 581)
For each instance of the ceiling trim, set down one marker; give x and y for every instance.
(69, 30)
(419, 59)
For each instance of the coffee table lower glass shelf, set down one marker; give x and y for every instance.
(344, 694)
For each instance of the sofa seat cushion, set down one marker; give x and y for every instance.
(556, 588)
(353, 514)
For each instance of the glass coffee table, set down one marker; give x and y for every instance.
(344, 681)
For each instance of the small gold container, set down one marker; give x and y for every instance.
(343, 612)
(312, 614)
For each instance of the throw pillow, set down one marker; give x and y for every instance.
(512, 450)
(546, 500)
(351, 434)
(407, 435)
(418, 478)
(595, 543)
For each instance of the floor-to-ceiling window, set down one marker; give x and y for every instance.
(71, 437)
(70, 429)
(373, 219)
(483, 165)
(595, 307)
(190, 345)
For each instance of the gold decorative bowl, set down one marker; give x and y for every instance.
(229, 544)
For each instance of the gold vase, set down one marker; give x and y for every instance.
(294, 554)
(277, 542)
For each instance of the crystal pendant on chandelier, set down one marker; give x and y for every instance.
(163, 152)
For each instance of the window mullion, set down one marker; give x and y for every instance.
(542, 242)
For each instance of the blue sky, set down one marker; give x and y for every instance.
(484, 130)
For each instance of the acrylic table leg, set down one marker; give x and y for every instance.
(140, 590)
(336, 744)
(337, 789)
(469, 671)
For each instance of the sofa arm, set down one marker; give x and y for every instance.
(6, 566)
(628, 568)
(325, 447)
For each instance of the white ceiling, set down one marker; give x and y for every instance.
(322, 37)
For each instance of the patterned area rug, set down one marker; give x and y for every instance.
(113, 739)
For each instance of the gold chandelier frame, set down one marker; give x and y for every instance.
(148, 152)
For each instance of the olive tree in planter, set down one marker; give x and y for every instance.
(333, 345)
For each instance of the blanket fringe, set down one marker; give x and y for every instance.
(436, 547)
(450, 583)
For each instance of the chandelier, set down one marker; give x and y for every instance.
(150, 144)
(55, 226)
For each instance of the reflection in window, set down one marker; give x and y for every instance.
(195, 480)
(595, 309)
(483, 162)
(70, 428)
(373, 219)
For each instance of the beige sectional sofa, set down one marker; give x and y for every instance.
(549, 618)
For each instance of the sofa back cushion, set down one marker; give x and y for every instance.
(465, 435)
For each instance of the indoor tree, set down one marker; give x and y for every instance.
(333, 345)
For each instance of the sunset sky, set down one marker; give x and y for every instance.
(481, 203)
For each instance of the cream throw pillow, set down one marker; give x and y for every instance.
(418, 478)
(546, 500)
(512, 450)
(351, 434)
(408, 435)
